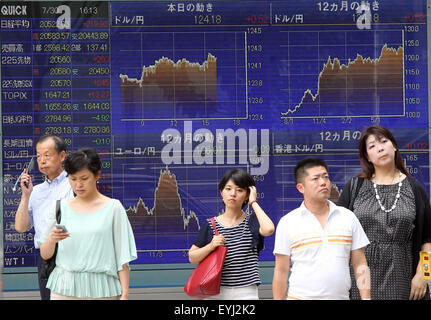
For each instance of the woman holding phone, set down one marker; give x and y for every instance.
(94, 253)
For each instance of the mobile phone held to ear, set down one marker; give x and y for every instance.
(62, 227)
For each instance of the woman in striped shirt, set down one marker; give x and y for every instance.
(243, 234)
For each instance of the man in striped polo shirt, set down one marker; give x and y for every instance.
(319, 239)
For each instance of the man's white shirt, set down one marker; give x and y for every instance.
(319, 256)
(42, 200)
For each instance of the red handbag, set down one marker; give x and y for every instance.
(205, 279)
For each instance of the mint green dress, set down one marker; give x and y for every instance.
(88, 262)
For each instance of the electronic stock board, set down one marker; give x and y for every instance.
(174, 93)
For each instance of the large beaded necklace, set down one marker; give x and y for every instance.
(396, 197)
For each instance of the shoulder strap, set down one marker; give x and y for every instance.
(57, 211)
(355, 185)
(214, 226)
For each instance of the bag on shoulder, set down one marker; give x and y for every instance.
(205, 279)
(48, 265)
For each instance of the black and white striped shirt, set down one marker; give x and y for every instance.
(241, 264)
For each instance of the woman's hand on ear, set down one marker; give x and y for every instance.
(253, 194)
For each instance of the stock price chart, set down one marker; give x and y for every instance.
(174, 93)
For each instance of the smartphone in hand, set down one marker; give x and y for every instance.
(62, 227)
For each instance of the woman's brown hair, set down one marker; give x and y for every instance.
(378, 132)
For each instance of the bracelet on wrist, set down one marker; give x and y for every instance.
(251, 203)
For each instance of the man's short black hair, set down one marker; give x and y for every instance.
(60, 145)
(307, 163)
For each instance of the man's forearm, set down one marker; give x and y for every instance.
(279, 285)
(362, 273)
(22, 219)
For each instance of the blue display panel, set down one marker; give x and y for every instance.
(173, 94)
(55, 74)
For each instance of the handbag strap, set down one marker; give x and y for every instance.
(214, 226)
(58, 211)
(355, 186)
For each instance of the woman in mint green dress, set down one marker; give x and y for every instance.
(93, 255)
